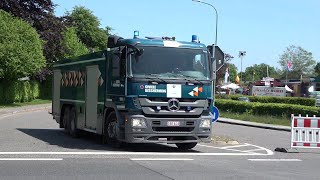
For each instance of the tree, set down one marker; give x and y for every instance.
(20, 48)
(88, 28)
(302, 62)
(258, 71)
(317, 69)
(72, 44)
(40, 14)
(232, 72)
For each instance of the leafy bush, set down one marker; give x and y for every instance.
(270, 99)
(20, 48)
(18, 91)
(46, 88)
(270, 109)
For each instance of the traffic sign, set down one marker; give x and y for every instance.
(215, 113)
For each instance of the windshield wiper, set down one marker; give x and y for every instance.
(155, 77)
(191, 79)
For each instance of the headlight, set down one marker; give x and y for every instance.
(138, 123)
(205, 123)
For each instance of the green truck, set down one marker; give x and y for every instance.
(151, 90)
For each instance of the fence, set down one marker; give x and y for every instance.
(305, 132)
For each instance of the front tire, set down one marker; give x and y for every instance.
(186, 146)
(110, 131)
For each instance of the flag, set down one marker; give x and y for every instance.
(289, 66)
(237, 80)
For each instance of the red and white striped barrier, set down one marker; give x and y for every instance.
(305, 132)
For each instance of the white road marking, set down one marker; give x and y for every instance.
(242, 145)
(235, 150)
(159, 159)
(252, 150)
(269, 152)
(5, 116)
(131, 153)
(31, 159)
(276, 160)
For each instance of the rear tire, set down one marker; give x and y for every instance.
(73, 131)
(65, 119)
(185, 146)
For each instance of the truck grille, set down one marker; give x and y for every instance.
(190, 123)
(172, 129)
(159, 107)
(156, 123)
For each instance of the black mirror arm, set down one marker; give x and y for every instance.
(139, 51)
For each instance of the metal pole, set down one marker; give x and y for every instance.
(287, 76)
(241, 71)
(217, 17)
(253, 76)
(215, 43)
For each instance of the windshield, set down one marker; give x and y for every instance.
(171, 63)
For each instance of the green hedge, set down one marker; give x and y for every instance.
(269, 109)
(270, 99)
(23, 91)
(46, 89)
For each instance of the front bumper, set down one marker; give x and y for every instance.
(158, 131)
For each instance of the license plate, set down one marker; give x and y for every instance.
(173, 123)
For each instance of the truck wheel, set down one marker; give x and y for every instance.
(110, 131)
(73, 131)
(65, 120)
(186, 146)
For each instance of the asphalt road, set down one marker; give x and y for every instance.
(33, 147)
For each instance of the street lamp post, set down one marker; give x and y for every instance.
(215, 42)
(217, 17)
(241, 55)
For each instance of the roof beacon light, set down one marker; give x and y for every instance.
(194, 38)
(136, 34)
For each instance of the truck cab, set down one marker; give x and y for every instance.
(168, 90)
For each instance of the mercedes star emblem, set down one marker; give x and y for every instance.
(173, 105)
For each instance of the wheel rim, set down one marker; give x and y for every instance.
(112, 129)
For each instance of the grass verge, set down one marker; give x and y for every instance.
(259, 119)
(34, 102)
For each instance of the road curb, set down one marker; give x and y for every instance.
(25, 109)
(254, 124)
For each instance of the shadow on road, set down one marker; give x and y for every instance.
(89, 141)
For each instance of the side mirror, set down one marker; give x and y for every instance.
(113, 41)
(140, 52)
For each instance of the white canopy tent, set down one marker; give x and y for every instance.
(288, 89)
(230, 86)
(311, 89)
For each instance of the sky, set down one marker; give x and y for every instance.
(261, 28)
